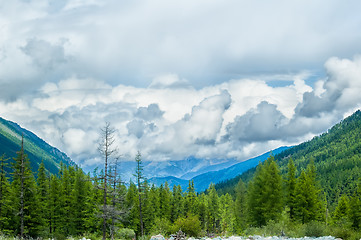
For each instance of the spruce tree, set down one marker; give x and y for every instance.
(165, 201)
(42, 191)
(190, 199)
(24, 197)
(309, 203)
(213, 209)
(54, 206)
(140, 182)
(290, 188)
(177, 204)
(340, 214)
(264, 201)
(240, 207)
(4, 195)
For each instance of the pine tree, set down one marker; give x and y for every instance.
(342, 209)
(290, 188)
(190, 199)
(4, 195)
(264, 201)
(42, 191)
(54, 206)
(213, 209)
(227, 214)
(132, 203)
(165, 201)
(240, 207)
(140, 181)
(309, 204)
(177, 204)
(65, 198)
(24, 197)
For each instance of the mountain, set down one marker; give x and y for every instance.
(336, 154)
(184, 169)
(202, 181)
(36, 148)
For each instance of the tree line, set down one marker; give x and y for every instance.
(72, 203)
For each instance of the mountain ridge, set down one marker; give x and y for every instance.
(202, 181)
(36, 148)
(336, 155)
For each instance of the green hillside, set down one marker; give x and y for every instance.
(36, 149)
(337, 157)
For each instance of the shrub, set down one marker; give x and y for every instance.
(126, 233)
(161, 226)
(190, 225)
(314, 229)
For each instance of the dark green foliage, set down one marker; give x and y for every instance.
(337, 158)
(240, 207)
(189, 225)
(265, 194)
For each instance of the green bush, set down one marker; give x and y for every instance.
(191, 226)
(161, 226)
(315, 229)
(125, 233)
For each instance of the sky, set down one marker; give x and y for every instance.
(207, 78)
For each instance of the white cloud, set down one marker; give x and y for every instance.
(177, 79)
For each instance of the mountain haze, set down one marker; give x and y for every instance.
(202, 181)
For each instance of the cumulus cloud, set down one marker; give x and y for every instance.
(197, 78)
(150, 112)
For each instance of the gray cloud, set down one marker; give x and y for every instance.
(261, 124)
(45, 56)
(170, 77)
(149, 113)
(136, 127)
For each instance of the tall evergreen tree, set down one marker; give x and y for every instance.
(177, 204)
(24, 197)
(190, 199)
(309, 203)
(290, 188)
(240, 207)
(165, 201)
(140, 181)
(4, 195)
(213, 209)
(54, 206)
(42, 190)
(264, 201)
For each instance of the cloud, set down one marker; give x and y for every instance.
(261, 124)
(202, 78)
(205, 42)
(149, 113)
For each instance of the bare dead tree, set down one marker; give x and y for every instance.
(108, 150)
(117, 210)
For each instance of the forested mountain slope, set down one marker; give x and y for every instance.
(36, 149)
(337, 157)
